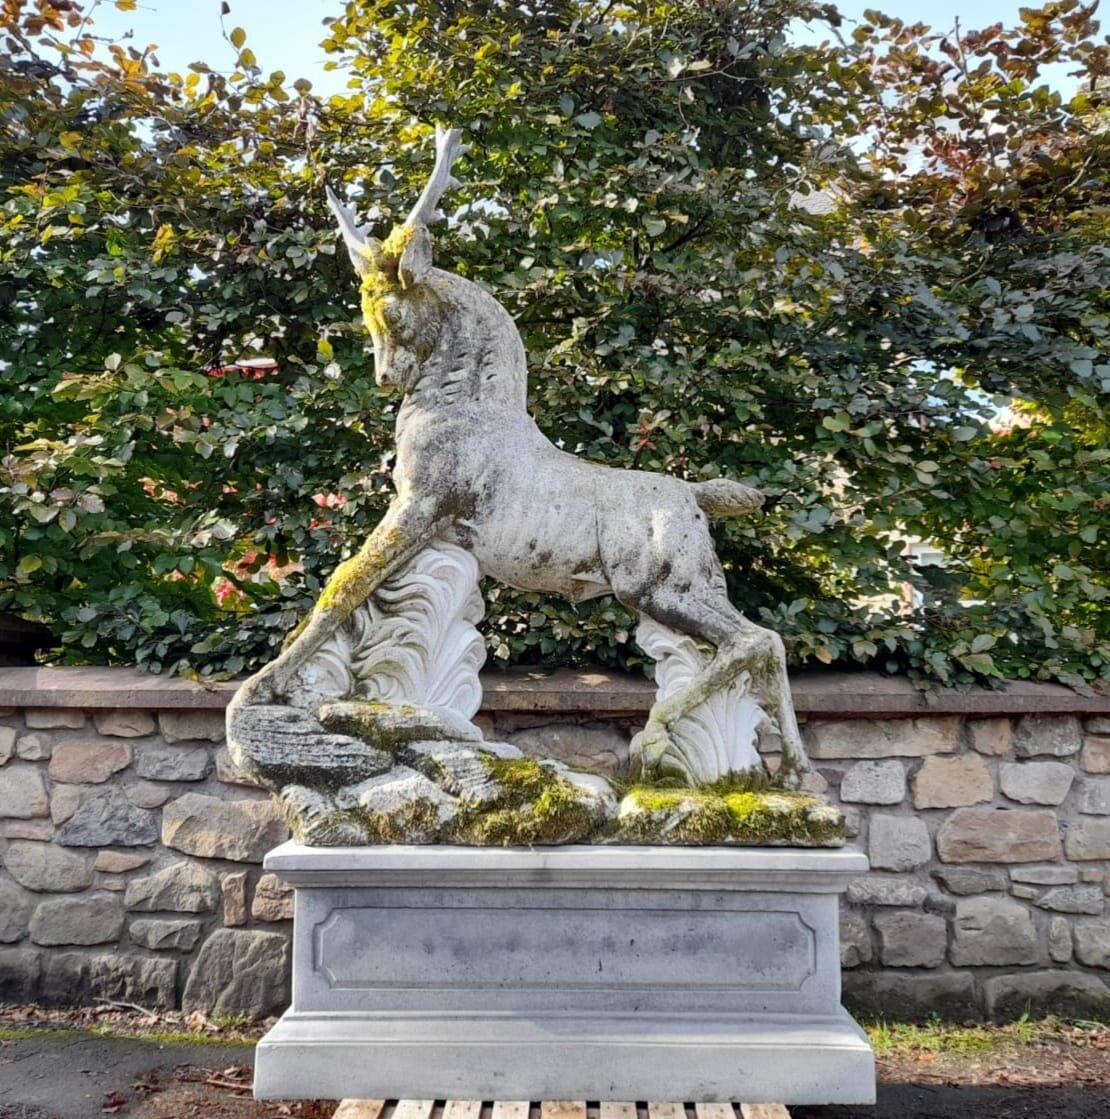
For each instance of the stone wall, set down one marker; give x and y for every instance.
(130, 845)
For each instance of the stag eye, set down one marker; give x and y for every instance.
(393, 314)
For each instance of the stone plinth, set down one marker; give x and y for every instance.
(566, 973)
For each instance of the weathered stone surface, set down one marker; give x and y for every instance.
(88, 761)
(874, 890)
(1097, 724)
(853, 820)
(993, 835)
(22, 792)
(1071, 994)
(595, 748)
(952, 782)
(1088, 839)
(191, 726)
(184, 887)
(1092, 942)
(1027, 893)
(160, 935)
(911, 939)
(28, 829)
(1073, 899)
(15, 912)
(173, 763)
(47, 718)
(855, 940)
(1093, 797)
(898, 842)
(91, 919)
(968, 880)
(874, 783)
(35, 747)
(883, 738)
(64, 801)
(119, 862)
(19, 974)
(146, 794)
(239, 972)
(1059, 940)
(78, 979)
(908, 997)
(1055, 735)
(1059, 874)
(47, 868)
(7, 743)
(273, 900)
(231, 774)
(233, 891)
(992, 737)
(109, 819)
(388, 802)
(1036, 782)
(241, 830)
(1095, 757)
(124, 723)
(993, 931)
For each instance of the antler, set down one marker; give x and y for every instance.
(448, 148)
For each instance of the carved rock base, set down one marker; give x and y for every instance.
(569, 973)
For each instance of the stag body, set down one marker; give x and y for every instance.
(473, 468)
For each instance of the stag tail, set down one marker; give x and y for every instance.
(721, 497)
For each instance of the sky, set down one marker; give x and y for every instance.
(285, 34)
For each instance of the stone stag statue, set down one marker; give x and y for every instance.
(479, 486)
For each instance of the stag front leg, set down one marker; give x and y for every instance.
(407, 528)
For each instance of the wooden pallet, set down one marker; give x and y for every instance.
(553, 1109)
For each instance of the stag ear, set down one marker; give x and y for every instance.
(365, 252)
(416, 258)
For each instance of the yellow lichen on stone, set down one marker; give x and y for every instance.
(353, 580)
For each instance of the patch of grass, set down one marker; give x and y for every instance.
(948, 1038)
(28, 1033)
(108, 1033)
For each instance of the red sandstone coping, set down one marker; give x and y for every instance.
(817, 693)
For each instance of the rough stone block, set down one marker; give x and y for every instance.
(90, 919)
(35, 747)
(1088, 839)
(1059, 874)
(882, 738)
(1059, 940)
(239, 971)
(993, 931)
(1073, 899)
(173, 763)
(231, 774)
(1040, 735)
(968, 880)
(15, 912)
(191, 726)
(1092, 942)
(184, 887)
(874, 783)
(146, 794)
(907, 998)
(1097, 724)
(1095, 756)
(109, 819)
(1094, 796)
(874, 890)
(20, 969)
(273, 900)
(1036, 782)
(22, 793)
(993, 835)
(46, 868)
(855, 940)
(1071, 994)
(7, 743)
(165, 935)
(911, 939)
(233, 890)
(119, 862)
(47, 718)
(124, 722)
(952, 782)
(992, 737)
(78, 979)
(596, 748)
(898, 842)
(28, 829)
(240, 830)
(88, 761)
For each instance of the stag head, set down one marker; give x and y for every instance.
(398, 307)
